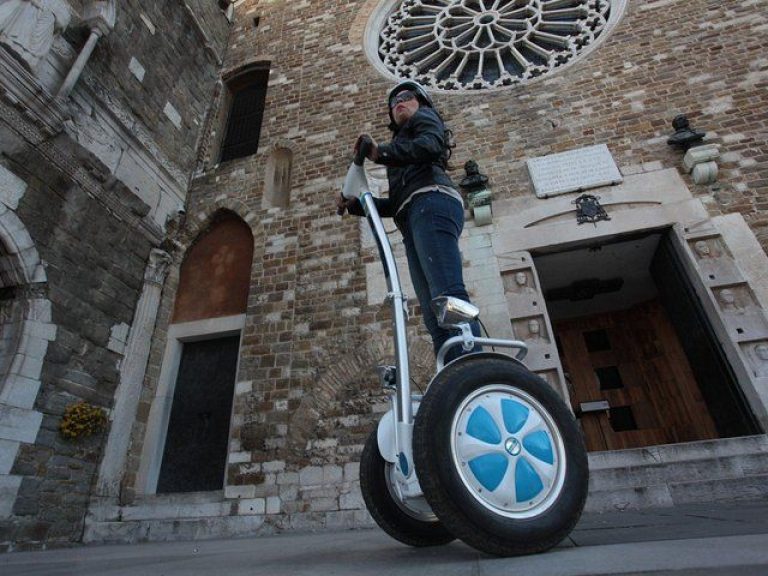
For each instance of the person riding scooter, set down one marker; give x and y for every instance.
(425, 205)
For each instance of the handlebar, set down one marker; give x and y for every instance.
(365, 145)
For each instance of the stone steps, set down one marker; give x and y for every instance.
(714, 470)
(656, 476)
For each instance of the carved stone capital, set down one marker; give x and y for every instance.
(701, 162)
(21, 89)
(100, 15)
(157, 269)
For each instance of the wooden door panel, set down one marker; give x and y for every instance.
(195, 453)
(645, 378)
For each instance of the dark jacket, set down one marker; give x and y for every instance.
(415, 158)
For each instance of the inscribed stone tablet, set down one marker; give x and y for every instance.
(573, 171)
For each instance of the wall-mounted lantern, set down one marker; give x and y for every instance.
(475, 187)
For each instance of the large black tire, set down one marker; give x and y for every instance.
(392, 516)
(481, 483)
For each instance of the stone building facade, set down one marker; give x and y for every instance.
(609, 309)
(102, 109)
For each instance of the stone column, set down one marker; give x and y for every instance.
(100, 17)
(132, 370)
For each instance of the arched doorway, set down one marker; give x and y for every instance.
(204, 343)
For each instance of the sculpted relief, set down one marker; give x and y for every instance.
(28, 27)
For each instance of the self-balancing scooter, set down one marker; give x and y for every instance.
(490, 454)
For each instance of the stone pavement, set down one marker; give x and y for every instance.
(717, 539)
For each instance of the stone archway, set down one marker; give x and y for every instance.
(26, 328)
(193, 322)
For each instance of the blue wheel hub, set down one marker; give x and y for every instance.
(508, 451)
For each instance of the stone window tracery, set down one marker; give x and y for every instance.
(481, 44)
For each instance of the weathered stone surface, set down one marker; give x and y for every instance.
(18, 424)
(12, 188)
(700, 154)
(88, 260)
(9, 488)
(28, 29)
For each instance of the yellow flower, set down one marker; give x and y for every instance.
(82, 419)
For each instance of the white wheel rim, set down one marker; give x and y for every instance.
(416, 508)
(508, 451)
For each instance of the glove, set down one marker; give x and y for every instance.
(342, 204)
(367, 146)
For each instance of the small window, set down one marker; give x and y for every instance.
(622, 419)
(248, 94)
(609, 378)
(597, 341)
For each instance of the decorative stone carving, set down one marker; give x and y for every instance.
(534, 330)
(529, 317)
(531, 330)
(518, 283)
(702, 249)
(132, 369)
(728, 302)
(159, 260)
(760, 359)
(28, 27)
(700, 162)
(100, 15)
(474, 45)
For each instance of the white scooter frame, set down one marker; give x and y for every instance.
(395, 431)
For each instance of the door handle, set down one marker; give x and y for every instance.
(593, 406)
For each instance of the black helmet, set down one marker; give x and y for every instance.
(421, 94)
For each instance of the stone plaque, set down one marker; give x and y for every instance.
(573, 171)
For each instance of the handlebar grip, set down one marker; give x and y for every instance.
(364, 147)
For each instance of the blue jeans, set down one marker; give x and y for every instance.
(431, 225)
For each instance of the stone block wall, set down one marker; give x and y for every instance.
(94, 266)
(160, 63)
(86, 184)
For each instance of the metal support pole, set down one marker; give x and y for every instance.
(404, 412)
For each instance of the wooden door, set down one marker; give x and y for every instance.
(195, 452)
(630, 382)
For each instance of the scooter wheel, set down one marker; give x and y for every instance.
(500, 458)
(410, 523)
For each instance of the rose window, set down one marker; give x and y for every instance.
(478, 44)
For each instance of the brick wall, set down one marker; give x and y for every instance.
(306, 397)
